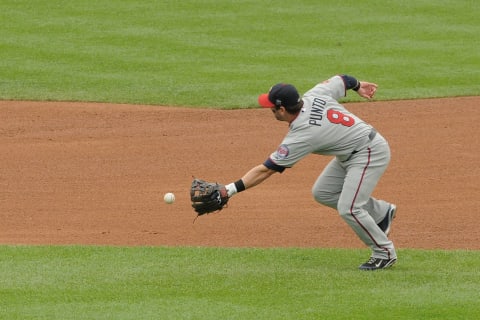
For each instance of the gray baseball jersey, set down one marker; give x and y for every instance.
(323, 126)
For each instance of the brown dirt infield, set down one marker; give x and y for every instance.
(84, 173)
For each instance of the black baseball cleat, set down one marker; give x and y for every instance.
(377, 263)
(386, 223)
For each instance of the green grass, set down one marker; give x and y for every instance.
(223, 53)
(76, 282)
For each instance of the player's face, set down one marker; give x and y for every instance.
(275, 112)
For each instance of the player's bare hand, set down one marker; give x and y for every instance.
(367, 89)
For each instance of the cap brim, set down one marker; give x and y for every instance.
(264, 102)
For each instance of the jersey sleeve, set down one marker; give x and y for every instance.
(333, 87)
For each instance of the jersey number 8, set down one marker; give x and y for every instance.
(338, 117)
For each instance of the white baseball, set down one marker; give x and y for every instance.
(169, 198)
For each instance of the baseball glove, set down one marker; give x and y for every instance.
(207, 196)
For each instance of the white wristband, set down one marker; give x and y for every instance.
(231, 189)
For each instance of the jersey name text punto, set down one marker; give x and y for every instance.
(316, 115)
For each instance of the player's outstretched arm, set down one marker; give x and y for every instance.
(255, 176)
(208, 197)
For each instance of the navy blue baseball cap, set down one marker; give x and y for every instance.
(281, 94)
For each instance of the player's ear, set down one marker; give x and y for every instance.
(284, 110)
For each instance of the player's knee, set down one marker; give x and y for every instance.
(346, 209)
(324, 197)
(343, 211)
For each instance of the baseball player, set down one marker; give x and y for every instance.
(319, 124)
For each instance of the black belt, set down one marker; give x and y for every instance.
(371, 136)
